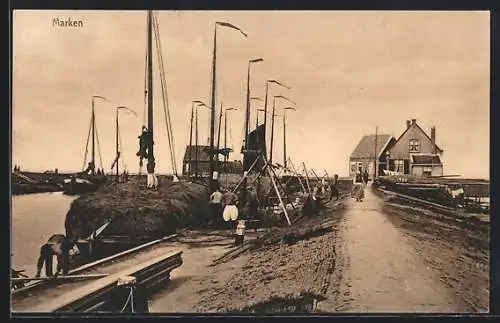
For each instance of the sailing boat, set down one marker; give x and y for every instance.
(89, 179)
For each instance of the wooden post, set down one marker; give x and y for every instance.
(279, 196)
(307, 177)
(245, 175)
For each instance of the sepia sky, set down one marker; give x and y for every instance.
(348, 72)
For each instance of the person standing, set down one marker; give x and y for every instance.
(230, 213)
(216, 205)
(252, 204)
(333, 188)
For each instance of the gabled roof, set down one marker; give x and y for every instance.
(203, 154)
(425, 133)
(366, 147)
(425, 159)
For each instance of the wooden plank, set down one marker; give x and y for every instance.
(94, 287)
(121, 254)
(68, 277)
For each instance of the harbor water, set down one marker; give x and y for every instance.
(34, 218)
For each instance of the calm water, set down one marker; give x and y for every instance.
(35, 217)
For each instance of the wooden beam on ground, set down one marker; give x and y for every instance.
(68, 277)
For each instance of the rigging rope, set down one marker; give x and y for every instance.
(165, 94)
(130, 300)
(87, 146)
(144, 115)
(120, 148)
(166, 109)
(98, 145)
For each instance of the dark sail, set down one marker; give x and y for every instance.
(256, 145)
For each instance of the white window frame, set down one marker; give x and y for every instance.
(414, 145)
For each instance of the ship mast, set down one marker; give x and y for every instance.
(151, 159)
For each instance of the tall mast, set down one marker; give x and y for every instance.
(93, 138)
(212, 109)
(219, 130)
(196, 144)
(284, 139)
(375, 159)
(247, 110)
(225, 143)
(190, 141)
(272, 132)
(265, 115)
(151, 158)
(117, 149)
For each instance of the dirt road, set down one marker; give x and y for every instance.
(382, 271)
(354, 257)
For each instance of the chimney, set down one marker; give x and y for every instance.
(433, 139)
(413, 121)
(407, 124)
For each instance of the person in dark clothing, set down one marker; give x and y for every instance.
(365, 177)
(60, 246)
(359, 177)
(143, 143)
(252, 204)
(309, 209)
(333, 188)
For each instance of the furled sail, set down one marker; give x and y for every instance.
(256, 147)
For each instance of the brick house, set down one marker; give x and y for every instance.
(415, 152)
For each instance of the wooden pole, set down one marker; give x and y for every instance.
(284, 139)
(225, 145)
(265, 115)
(307, 177)
(93, 137)
(196, 147)
(298, 176)
(212, 111)
(245, 175)
(279, 195)
(376, 157)
(219, 129)
(190, 141)
(117, 149)
(151, 159)
(247, 110)
(272, 131)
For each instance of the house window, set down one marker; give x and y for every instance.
(427, 171)
(414, 145)
(399, 165)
